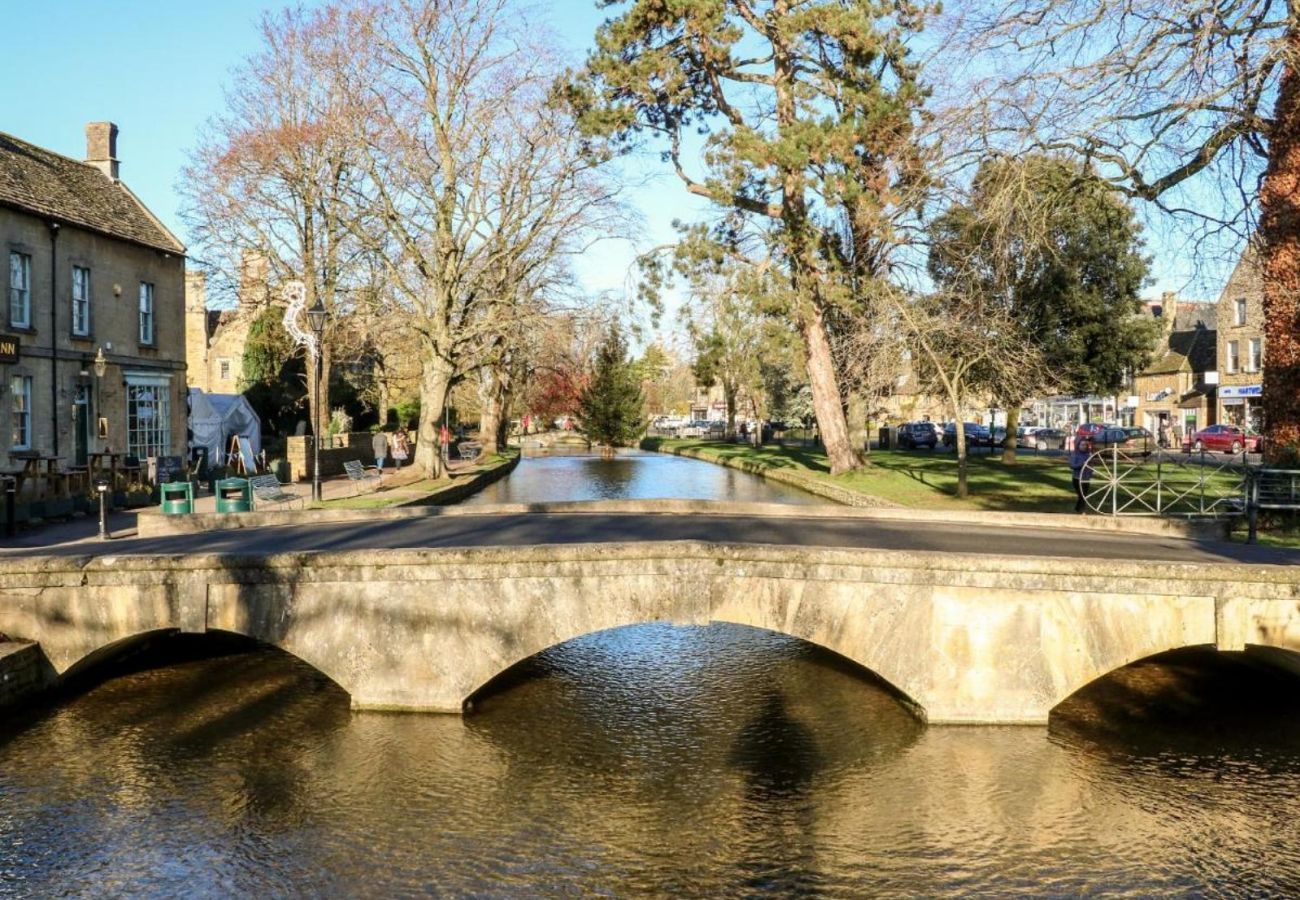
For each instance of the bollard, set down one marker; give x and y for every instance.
(101, 488)
(11, 507)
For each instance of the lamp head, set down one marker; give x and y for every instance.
(316, 318)
(101, 364)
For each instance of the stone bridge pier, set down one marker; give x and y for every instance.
(966, 639)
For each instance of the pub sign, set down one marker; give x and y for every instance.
(8, 348)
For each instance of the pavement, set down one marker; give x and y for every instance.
(122, 524)
(498, 529)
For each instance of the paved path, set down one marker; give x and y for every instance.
(525, 529)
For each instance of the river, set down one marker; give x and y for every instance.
(647, 761)
(653, 760)
(632, 475)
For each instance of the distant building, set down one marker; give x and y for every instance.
(90, 271)
(215, 338)
(1176, 389)
(1241, 344)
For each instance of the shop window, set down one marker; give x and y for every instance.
(148, 420)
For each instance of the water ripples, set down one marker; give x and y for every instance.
(657, 761)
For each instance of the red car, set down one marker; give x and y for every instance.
(1225, 438)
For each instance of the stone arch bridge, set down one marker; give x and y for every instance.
(966, 638)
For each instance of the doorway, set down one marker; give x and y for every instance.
(81, 425)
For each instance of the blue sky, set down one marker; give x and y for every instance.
(157, 67)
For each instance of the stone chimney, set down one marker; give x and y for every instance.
(254, 269)
(1169, 310)
(101, 147)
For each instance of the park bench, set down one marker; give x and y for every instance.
(469, 450)
(268, 489)
(358, 473)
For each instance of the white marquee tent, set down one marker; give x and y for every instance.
(215, 418)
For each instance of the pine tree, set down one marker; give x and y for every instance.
(610, 405)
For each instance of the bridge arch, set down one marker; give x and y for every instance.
(508, 676)
(111, 657)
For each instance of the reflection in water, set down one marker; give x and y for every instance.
(632, 475)
(656, 760)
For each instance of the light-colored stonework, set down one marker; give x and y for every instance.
(967, 639)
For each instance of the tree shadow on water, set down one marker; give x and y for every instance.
(778, 758)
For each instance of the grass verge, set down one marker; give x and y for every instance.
(918, 479)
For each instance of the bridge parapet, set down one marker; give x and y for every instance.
(965, 638)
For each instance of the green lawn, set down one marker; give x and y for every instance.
(920, 479)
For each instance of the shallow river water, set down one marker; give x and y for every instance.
(632, 475)
(653, 761)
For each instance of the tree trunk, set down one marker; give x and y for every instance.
(729, 398)
(435, 384)
(962, 487)
(489, 420)
(1013, 425)
(826, 394)
(857, 422)
(318, 408)
(1279, 230)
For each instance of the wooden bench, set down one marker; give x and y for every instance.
(469, 450)
(358, 473)
(268, 489)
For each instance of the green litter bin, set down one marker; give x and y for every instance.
(177, 498)
(233, 495)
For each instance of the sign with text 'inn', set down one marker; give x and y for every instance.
(8, 348)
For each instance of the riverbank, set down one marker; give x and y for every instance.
(416, 491)
(893, 478)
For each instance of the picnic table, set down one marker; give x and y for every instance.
(42, 473)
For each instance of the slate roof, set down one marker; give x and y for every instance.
(47, 184)
(1192, 350)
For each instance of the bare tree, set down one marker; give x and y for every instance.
(477, 178)
(963, 345)
(274, 174)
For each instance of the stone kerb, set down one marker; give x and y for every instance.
(965, 638)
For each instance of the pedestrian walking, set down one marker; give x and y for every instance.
(1164, 434)
(1081, 473)
(401, 446)
(380, 445)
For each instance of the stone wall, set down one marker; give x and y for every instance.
(355, 445)
(24, 672)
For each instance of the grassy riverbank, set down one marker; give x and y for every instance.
(916, 479)
(407, 489)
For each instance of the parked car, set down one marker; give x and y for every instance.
(1089, 430)
(1049, 439)
(976, 434)
(1141, 440)
(1025, 437)
(1124, 439)
(918, 434)
(1225, 438)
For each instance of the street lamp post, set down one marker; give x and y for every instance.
(295, 296)
(316, 320)
(100, 366)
